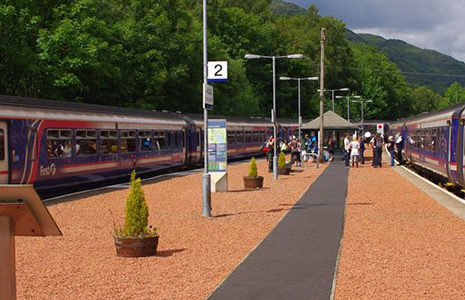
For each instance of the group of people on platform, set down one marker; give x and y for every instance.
(306, 150)
(354, 150)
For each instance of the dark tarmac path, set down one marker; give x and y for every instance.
(297, 260)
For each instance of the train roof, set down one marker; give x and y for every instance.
(35, 108)
(83, 107)
(448, 111)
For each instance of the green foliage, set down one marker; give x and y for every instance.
(425, 100)
(136, 212)
(281, 160)
(283, 8)
(381, 80)
(148, 54)
(455, 94)
(253, 168)
(415, 60)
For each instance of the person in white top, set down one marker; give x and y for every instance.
(354, 154)
(347, 150)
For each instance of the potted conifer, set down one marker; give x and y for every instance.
(283, 168)
(253, 181)
(136, 238)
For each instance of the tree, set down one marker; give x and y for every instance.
(425, 100)
(454, 94)
(381, 80)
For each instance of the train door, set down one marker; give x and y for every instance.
(449, 148)
(184, 146)
(3, 153)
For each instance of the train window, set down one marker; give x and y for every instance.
(168, 139)
(2, 144)
(178, 139)
(240, 137)
(249, 137)
(59, 143)
(231, 137)
(128, 141)
(86, 142)
(160, 140)
(146, 141)
(176, 143)
(108, 141)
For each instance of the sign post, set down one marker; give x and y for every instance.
(380, 128)
(22, 213)
(218, 155)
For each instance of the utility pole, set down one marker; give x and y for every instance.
(322, 95)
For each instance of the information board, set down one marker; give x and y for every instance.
(217, 145)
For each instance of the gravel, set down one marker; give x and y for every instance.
(195, 254)
(398, 242)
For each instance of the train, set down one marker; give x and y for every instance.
(62, 146)
(435, 143)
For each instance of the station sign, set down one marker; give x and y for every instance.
(380, 128)
(217, 145)
(217, 71)
(207, 96)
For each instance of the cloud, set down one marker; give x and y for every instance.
(427, 24)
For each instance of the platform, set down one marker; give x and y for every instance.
(281, 242)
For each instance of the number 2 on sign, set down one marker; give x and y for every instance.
(219, 67)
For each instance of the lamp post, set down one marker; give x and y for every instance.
(273, 58)
(348, 99)
(335, 90)
(362, 102)
(298, 88)
(206, 193)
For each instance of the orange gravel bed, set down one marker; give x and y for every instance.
(195, 254)
(398, 242)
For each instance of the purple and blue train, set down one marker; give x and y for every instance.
(67, 146)
(435, 141)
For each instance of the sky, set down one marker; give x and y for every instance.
(429, 24)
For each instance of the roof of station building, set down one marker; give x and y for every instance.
(331, 121)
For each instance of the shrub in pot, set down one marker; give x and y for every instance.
(282, 168)
(136, 238)
(253, 181)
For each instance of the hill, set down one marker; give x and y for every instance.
(413, 60)
(282, 8)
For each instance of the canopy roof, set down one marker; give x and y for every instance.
(331, 121)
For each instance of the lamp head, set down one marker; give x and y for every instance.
(313, 78)
(284, 78)
(251, 56)
(295, 56)
(344, 89)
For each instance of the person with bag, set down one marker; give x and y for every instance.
(266, 149)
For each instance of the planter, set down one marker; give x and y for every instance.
(253, 183)
(136, 247)
(284, 171)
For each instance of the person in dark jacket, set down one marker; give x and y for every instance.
(378, 151)
(390, 148)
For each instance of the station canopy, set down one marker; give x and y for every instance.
(331, 121)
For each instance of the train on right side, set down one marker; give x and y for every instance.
(433, 144)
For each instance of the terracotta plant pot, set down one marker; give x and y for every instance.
(253, 183)
(284, 171)
(136, 247)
